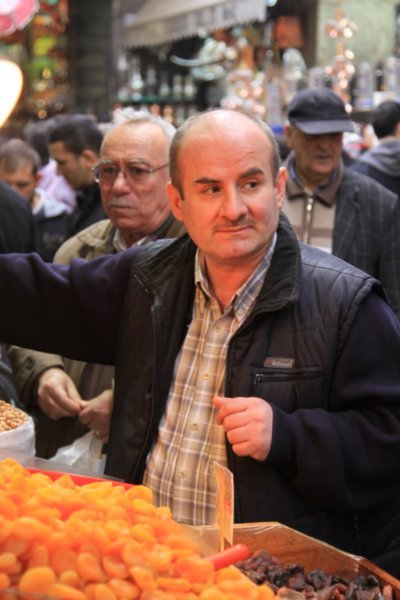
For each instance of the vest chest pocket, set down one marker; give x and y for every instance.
(290, 388)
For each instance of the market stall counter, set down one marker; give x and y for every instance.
(83, 545)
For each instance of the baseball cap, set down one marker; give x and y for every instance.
(317, 111)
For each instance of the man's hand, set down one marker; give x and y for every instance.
(247, 423)
(96, 414)
(57, 394)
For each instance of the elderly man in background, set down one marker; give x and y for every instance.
(330, 205)
(133, 174)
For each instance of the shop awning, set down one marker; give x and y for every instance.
(158, 22)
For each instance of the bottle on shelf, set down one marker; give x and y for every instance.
(177, 86)
(164, 90)
(136, 83)
(151, 81)
(189, 88)
(179, 115)
(122, 75)
(365, 86)
(391, 76)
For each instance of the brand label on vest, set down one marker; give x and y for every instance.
(279, 362)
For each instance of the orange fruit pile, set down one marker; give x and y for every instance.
(100, 541)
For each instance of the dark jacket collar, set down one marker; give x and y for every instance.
(176, 260)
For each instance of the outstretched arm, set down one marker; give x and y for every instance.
(72, 311)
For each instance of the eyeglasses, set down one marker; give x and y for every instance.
(107, 173)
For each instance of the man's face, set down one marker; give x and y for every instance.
(136, 208)
(23, 180)
(316, 156)
(76, 168)
(231, 202)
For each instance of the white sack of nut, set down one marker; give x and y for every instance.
(11, 417)
(17, 430)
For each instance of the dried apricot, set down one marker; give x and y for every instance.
(88, 567)
(124, 589)
(66, 592)
(38, 580)
(9, 563)
(101, 541)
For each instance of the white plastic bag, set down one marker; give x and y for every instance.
(85, 453)
(21, 439)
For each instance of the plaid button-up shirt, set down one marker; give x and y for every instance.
(180, 468)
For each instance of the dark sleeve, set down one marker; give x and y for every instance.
(72, 311)
(17, 228)
(348, 458)
(389, 261)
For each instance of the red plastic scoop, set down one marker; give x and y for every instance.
(229, 556)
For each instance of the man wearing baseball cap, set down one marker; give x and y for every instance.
(330, 205)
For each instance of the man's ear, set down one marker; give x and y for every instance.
(175, 201)
(91, 158)
(288, 136)
(280, 186)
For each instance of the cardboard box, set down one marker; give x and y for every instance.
(291, 546)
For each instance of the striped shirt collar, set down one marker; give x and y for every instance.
(246, 295)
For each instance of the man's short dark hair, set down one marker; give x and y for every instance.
(77, 133)
(37, 136)
(386, 118)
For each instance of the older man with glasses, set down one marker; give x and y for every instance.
(69, 396)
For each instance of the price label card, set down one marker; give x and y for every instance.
(225, 504)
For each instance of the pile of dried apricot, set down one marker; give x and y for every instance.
(100, 541)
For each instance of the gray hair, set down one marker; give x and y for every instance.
(185, 128)
(128, 115)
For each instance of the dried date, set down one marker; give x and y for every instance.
(291, 583)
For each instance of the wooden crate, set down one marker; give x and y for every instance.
(291, 546)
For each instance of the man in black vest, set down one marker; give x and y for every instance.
(235, 344)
